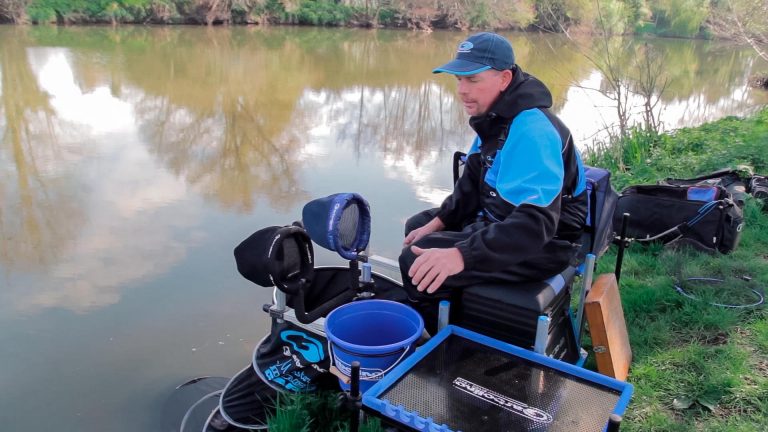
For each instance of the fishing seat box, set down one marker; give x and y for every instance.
(510, 313)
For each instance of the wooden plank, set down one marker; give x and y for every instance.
(607, 327)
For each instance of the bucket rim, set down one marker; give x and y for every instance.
(365, 349)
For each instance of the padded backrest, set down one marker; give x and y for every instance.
(601, 203)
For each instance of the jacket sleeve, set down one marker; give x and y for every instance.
(464, 202)
(528, 174)
(502, 244)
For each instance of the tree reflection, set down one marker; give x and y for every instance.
(664, 84)
(36, 206)
(230, 109)
(218, 121)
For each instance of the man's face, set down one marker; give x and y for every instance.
(479, 91)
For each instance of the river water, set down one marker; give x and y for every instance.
(134, 159)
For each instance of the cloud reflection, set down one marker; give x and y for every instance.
(126, 218)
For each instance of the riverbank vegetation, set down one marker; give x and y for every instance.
(696, 367)
(677, 18)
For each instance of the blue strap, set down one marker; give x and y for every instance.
(703, 211)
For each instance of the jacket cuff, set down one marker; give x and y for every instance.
(445, 218)
(466, 253)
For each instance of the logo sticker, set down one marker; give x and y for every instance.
(368, 374)
(465, 47)
(309, 348)
(282, 374)
(509, 404)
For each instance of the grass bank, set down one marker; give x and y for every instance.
(696, 367)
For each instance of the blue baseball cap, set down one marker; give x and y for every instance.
(480, 52)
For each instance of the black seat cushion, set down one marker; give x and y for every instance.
(532, 296)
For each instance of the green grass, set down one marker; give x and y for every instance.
(696, 367)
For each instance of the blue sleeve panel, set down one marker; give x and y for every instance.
(529, 169)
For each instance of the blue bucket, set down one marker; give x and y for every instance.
(376, 333)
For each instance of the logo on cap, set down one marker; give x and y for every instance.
(465, 47)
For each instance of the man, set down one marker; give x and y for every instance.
(518, 210)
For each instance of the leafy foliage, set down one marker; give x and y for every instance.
(322, 13)
(65, 11)
(686, 18)
(646, 156)
(680, 17)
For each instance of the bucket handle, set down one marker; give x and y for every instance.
(372, 377)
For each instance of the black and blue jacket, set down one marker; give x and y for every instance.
(522, 191)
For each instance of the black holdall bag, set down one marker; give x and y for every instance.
(738, 182)
(704, 216)
(730, 179)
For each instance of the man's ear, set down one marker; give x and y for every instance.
(506, 78)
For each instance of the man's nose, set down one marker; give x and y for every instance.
(461, 87)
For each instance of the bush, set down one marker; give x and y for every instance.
(45, 11)
(682, 18)
(479, 15)
(41, 14)
(389, 16)
(322, 13)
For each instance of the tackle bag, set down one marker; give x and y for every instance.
(703, 216)
(727, 178)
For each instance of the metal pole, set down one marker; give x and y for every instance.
(279, 307)
(614, 421)
(622, 246)
(542, 334)
(589, 270)
(354, 396)
(443, 313)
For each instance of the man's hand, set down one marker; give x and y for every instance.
(432, 226)
(433, 266)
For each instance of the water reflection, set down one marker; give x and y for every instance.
(79, 220)
(684, 82)
(246, 94)
(37, 191)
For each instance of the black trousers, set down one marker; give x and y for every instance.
(427, 304)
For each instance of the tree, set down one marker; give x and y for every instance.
(744, 21)
(14, 11)
(681, 18)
